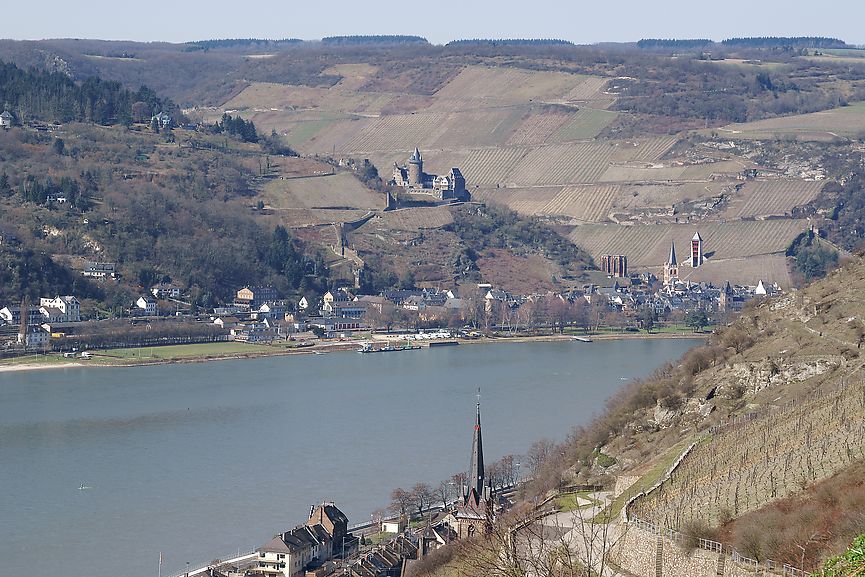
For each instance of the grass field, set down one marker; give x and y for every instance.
(414, 219)
(845, 122)
(180, 352)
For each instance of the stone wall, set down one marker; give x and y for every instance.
(638, 549)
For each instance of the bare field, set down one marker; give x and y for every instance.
(772, 197)
(414, 219)
(846, 122)
(401, 132)
(649, 245)
(641, 196)
(770, 268)
(341, 191)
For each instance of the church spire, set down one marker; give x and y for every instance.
(672, 254)
(476, 467)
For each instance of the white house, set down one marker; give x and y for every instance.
(34, 337)
(147, 305)
(164, 291)
(69, 307)
(5, 119)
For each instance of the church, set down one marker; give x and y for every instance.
(450, 186)
(475, 511)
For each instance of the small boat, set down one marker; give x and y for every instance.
(582, 339)
(84, 487)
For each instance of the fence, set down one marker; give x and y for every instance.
(754, 567)
(199, 568)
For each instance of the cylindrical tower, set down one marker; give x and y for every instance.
(415, 169)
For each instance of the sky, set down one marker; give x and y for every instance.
(437, 20)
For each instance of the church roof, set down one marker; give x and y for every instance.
(476, 466)
(672, 259)
(697, 237)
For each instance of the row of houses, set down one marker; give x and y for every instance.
(59, 309)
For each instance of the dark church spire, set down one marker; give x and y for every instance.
(476, 467)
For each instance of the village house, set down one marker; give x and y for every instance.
(307, 547)
(6, 119)
(68, 306)
(100, 270)
(165, 291)
(252, 297)
(12, 315)
(162, 119)
(33, 337)
(147, 306)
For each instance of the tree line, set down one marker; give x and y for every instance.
(373, 39)
(784, 41)
(677, 43)
(35, 94)
(238, 42)
(511, 42)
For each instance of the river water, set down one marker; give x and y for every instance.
(198, 460)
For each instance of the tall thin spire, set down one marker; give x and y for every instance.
(672, 253)
(476, 467)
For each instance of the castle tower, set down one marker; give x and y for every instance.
(671, 267)
(415, 169)
(696, 250)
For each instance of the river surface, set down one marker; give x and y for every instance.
(198, 460)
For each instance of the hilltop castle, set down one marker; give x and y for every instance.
(450, 186)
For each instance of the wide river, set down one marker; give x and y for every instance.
(198, 460)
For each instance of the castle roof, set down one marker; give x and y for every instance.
(415, 157)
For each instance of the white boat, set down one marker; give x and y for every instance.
(582, 339)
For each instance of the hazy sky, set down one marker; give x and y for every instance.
(437, 20)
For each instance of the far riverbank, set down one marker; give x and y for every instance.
(201, 353)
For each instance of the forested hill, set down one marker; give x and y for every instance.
(45, 96)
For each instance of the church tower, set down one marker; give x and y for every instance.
(671, 267)
(475, 489)
(696, 250)
(415, 169)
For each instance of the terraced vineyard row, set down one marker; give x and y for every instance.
(745, 466)
(770, 268)
(564, 164)
(649, 245)
(403, 131)
(537, 128)
(585, 203)
(491, 166)
(776, 197)
(591, 88)
(509, 84)
(483, 127)
(652, 149)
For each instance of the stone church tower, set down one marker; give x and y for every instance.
(415, 169)
(671, 267)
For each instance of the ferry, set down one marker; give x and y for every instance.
(388, 348)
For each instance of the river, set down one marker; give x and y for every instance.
(198, 460)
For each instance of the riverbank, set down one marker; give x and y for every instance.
(201, 353)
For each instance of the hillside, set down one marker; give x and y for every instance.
(582, 137)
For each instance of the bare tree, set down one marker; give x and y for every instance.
(422, 496)
(538, 454)
(445, 492)
(400, 501)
